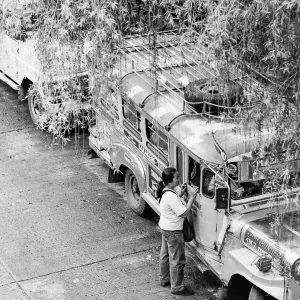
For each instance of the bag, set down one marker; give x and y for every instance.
(188, 231)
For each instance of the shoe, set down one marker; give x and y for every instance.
(184, 292)
(165, 284)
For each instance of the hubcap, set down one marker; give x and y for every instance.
(135, 189)
(36, 107)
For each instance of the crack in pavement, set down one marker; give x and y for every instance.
(17, 129)
(11, 274)
(65, 270)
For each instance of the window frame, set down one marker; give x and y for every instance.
(135, 113)
(202, 183)
(181, 170)
(158, 130)
(188, 166)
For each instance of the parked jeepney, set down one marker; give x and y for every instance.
(20, 66)
(147, 124)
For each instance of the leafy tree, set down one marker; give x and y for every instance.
(254, 37)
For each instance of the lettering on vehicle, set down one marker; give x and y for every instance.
(283, 157)
(262, 245)
(154, 178)
(146, 153)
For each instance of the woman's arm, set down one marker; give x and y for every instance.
(190, 203)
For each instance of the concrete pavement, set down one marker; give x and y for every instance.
(65, 233)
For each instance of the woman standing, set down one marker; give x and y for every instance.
(173, 212)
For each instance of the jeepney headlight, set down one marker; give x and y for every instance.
(296, 269)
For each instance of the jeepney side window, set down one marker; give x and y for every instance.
(131, 115)
(179, 164)
(156, 137)
(208, 183)
(194, 173)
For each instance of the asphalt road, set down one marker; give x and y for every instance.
(66, 234)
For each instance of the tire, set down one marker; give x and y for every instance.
(256, 293)
(206, 90)
(35, 107)
(22, 93)
(134, 199)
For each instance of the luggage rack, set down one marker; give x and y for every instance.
(167, 63)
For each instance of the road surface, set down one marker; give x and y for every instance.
(66, 234)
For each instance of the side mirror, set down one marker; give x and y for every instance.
(222, 198)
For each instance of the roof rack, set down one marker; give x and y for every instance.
(173, 60)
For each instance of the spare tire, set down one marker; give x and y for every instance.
(214, 91)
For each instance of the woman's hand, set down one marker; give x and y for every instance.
(190, 201)
(196, 191)
(183, 189)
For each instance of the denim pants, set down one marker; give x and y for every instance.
(172, 259)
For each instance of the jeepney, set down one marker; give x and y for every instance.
(20, 66)
(147, 124)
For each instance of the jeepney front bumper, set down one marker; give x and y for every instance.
(241, 262)
(293, 290)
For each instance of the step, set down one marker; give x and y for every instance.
(198, 262)
(200, 265)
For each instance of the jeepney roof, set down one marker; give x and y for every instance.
(161, 95)
(199, 134)
(194, 131)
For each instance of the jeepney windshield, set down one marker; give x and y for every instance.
(245, 180)
(205, 178)
(252, 178)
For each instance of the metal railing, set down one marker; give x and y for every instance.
(166, 61)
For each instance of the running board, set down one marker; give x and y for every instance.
(198, 262)
(8, 81)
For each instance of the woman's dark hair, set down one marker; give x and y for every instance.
(167, 177)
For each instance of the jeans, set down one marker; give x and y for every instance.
(172, 259)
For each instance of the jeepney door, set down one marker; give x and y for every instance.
(204, 214)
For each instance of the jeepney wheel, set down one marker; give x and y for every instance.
(256, 293)
(35, 107)
(134, 199)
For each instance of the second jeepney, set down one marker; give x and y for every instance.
(243, 233)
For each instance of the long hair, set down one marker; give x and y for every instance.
(167, 177)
